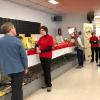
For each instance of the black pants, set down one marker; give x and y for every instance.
(99, 52)
(94, 49)
(80, 57)
(46, 66)
(16, 84)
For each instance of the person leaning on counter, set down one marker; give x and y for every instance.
(44, 49)
(13, 59)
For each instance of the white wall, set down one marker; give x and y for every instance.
(14, 11)
(72, 20)
(97, 13)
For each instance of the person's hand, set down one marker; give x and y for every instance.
(38, 50)
(83, 47)
(26, 71)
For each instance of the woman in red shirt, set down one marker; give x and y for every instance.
(44, 48)
(94, 46)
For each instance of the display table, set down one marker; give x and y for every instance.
(34, 58)
(58, 50)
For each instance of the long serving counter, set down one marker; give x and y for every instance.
(33, 59)
(62, 60)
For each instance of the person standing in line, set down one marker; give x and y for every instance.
(44, 48)
(94, 46)
(99, 51)
(13, 59)
(80, 48)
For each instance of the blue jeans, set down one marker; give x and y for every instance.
(80, 57)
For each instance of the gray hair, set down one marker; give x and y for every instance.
(6, 27)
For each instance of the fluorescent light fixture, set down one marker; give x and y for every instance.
(53, 2)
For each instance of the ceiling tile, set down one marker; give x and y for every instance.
(42, 8)
(22, 2)
(38, 1)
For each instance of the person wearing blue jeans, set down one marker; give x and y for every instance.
(80, 57)
(80, 47)
(13, 59)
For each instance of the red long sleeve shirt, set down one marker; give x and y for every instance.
(45, 42)
(94, 39)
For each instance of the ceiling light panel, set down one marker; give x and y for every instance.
(53, 2)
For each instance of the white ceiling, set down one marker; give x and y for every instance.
(64, 6)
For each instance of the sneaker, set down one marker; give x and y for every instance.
(44, 86)
(49, 89)
(79, 66)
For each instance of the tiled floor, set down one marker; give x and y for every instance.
(75, 84)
